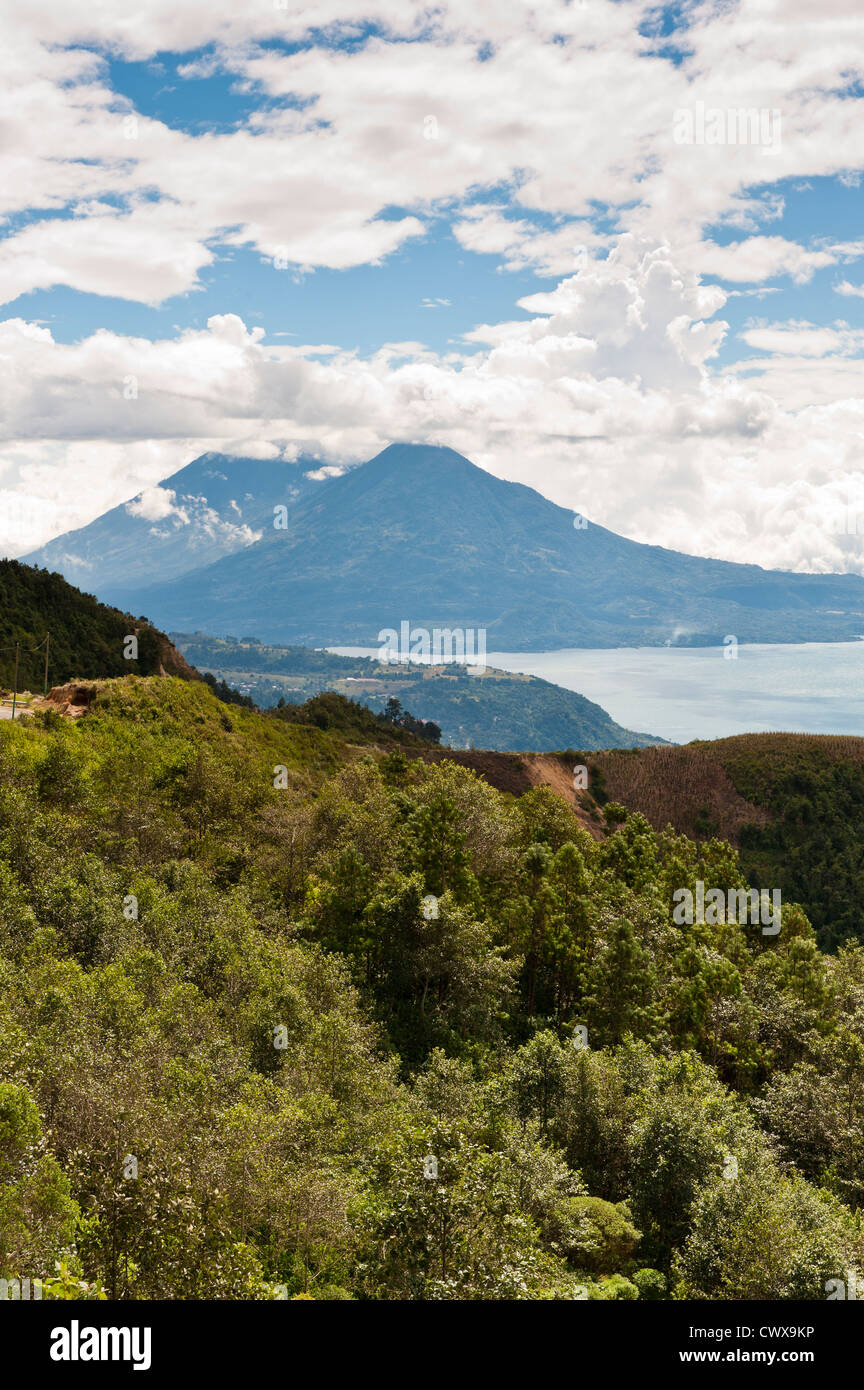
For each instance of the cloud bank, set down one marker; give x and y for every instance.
(543, 135)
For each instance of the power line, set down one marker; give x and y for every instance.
(16, 648)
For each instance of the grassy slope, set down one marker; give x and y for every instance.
(175, 712)
(179, 717)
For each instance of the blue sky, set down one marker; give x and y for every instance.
(359, 309)
(242, 212)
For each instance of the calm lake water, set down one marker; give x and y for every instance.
(681, 693)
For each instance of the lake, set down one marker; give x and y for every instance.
(682, 693)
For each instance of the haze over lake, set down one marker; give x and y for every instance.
(682, 693)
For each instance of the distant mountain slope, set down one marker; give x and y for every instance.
(495, 711)
(420, 534)
(87, 638)
(214, 506)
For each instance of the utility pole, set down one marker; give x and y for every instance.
(15, 686)
(45, 682)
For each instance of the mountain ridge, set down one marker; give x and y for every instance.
(421, 533)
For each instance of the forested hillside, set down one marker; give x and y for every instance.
(495, 709)
(86, 637)
(792, 803)
(286, 1015)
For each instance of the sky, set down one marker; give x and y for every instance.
(610, 249)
